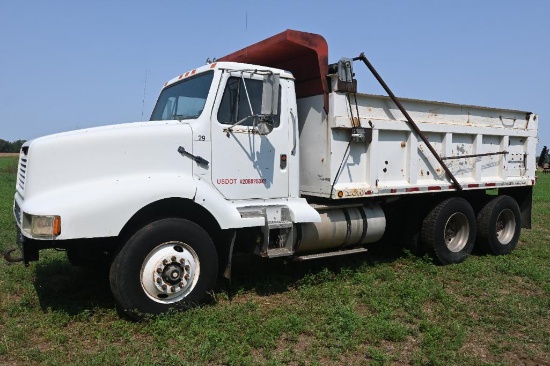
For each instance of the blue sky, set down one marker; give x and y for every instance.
(73, 64)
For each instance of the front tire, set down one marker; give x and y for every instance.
(498, 226)
(168, 264)
(449, 230)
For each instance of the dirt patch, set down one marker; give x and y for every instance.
(9, 155)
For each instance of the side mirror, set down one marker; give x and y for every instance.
(265, 124)
(270, 95)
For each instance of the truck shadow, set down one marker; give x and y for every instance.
(72, 290)
(76, 290)
(272, 276)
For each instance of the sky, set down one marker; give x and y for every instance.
(67, 65)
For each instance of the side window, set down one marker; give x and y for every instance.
(234, 105)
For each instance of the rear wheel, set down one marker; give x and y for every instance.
(169, 264)
(449, 230)
(498, 226)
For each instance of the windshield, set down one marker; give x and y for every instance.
(184, 100)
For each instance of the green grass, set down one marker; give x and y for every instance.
(384, 307)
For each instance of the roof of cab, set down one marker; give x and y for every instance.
(228, 66)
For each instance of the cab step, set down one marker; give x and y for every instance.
(278, 252)
(309, 257)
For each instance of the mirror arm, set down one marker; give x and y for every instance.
(247, 96)
(230, 128)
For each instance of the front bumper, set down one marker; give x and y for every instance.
(28, 251)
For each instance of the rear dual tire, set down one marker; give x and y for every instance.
(449, 230)
(498, 226)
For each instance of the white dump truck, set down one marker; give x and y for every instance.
(271, 150)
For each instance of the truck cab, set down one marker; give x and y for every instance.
(240, 160)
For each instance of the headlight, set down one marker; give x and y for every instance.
(39, 226)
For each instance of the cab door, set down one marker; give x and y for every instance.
(245, 164)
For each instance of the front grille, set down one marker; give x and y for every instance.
(22, 170)
(17, 212)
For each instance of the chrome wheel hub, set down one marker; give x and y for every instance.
(170, 272)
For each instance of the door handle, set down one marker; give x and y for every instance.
(293, 152)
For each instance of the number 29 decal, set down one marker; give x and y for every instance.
(201, 138)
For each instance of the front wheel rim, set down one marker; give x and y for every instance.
(170, 272)
(457, 232)
(505, 226)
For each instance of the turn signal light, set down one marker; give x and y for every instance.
(57, 225)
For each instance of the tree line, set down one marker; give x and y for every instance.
(10, 147)
(543, 157)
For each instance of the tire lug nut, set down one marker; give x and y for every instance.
(165, 261)
(159, 280)
(174, 258)
(159, 270)
(186, 267)
(164, 287)
(173, 288)
(186, 276)
(181, 284)
(182, 261)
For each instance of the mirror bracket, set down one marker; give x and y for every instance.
(346, 82)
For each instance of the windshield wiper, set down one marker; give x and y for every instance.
(179, 117)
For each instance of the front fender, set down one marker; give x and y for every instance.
(101, 208)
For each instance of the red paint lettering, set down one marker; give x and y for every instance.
(226, 180)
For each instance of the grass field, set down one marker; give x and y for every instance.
(384, 307)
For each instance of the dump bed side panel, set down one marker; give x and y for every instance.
(483, 147)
